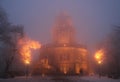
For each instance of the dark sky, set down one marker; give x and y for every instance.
(92, 18)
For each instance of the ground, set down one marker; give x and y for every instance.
(61, 79)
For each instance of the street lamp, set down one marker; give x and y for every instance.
(27, 62)
(99, 58)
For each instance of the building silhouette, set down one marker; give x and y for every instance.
(63, 55)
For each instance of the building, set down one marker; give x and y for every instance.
(63, 55)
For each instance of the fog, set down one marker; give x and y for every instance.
(92, 19)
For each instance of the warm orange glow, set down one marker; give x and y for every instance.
(64, 45)
(46, 63)
(27, 62)
(65, 70)
(77, 69)
(99, 62)
(26, 45)
(99, 56)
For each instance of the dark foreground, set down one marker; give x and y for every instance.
(44, 79)
(60, 79)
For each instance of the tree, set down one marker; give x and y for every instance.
(114, 50)
(111, 46)
(9, 35)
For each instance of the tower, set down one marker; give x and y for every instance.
(63, 31)
(64, 55)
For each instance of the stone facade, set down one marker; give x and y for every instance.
(63, 55)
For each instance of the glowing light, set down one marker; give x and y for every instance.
(99, 62)
(25, 46)
(77, 69)
(99, 56)
(27, 62)
(64, 70)
(64, 45)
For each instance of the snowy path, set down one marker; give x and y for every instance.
(61, 79)
(43, 79)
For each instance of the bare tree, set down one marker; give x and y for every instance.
(9, 34)
(111, 48)
(114, 50)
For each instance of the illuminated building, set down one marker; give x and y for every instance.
(63, 55)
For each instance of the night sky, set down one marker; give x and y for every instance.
(92, 19)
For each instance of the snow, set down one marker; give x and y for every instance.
(98, 79)
(28, 79)
(94, 79)
(61, 79)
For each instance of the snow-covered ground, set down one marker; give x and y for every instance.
(61, 79)
(94, 79)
